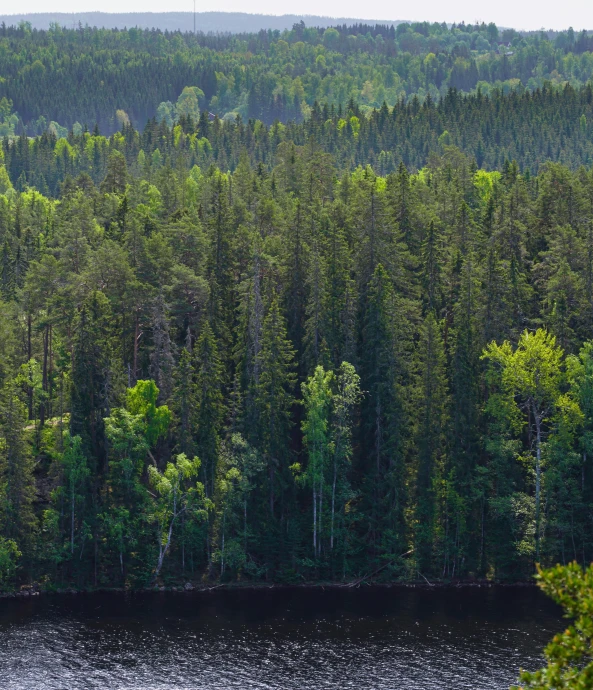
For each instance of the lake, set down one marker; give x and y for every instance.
(371, 638)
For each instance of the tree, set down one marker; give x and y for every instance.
(131, 431)
(161, 357)
(76, 473)
(240, 468)
(317, 395)
(568, 655)
(184, 399)
(9, 555)
(116, 177)
(384, 419)
(431, 403)
(274, 399)
(177, 493)
(345, 397)
(141, 400)
(89, 402)
(188, 103)
(17, 485)
(529, 378)
(209, 413)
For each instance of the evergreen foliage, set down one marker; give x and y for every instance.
(239, 351)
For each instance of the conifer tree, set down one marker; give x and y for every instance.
(383, 368)
(431, 401)
(90, 377)
(274, 401)
(210, 409)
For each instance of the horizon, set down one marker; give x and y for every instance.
(573, 15)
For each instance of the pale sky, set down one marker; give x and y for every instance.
(520, 14)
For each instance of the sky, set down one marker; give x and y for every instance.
(519, 14)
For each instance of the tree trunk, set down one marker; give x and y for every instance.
(538, 475)
(163, 550)
(29, 355)
(319, 515)
(72, 522)
(44, 376)
(222, 545)
(331, 538)
(314, 518)
(136, 339)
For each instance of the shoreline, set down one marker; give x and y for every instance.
(201, 588)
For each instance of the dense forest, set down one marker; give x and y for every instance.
(360, 343)
(531, 129)
(270, 75)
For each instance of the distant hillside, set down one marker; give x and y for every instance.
(228, 22)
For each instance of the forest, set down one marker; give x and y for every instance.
(305, 351)
(271, 74)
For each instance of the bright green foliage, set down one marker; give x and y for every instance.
(530, 379)
(188, 103)
(568, 655)
(141, 401)
(177, 493)
(9, 554)
(178, 309)
(346, 395)
(317, 400)
(329, 399)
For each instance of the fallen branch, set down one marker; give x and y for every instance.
(375, 572)
(430, 584)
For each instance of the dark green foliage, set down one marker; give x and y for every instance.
(240, 351)
(568, 655)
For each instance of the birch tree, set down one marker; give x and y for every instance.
(345, 397)
(529, 377)
(177, 492)
(317, 397)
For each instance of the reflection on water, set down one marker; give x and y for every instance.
(368, 639)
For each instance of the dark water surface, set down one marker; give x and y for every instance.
(367, 639)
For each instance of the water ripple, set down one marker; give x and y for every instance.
(372, 640)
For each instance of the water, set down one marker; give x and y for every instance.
(367, 639)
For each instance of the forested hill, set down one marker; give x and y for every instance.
(86, 75)
(295, 374)
(358, 341)
(206, 22)
(531, 129)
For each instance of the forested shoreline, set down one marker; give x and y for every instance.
(357, 341)
(287, 373)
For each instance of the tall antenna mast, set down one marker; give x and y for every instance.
(194, 17)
